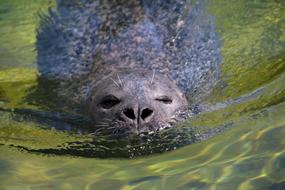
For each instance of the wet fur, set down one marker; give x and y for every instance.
(78, 40)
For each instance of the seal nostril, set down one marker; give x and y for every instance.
(146, 113)
(129, 113)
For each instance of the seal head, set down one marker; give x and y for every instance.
(137, 101)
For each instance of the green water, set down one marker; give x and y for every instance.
(249, 156)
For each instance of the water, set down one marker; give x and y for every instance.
(248, 156)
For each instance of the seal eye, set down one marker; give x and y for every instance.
(109, 102)
(164, 99)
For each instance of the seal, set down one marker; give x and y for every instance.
(130, 65)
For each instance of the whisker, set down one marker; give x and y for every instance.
(96, 131)
(121, 83)
(115, 82)
(101, 125)
(112, 128)
(153, 73)
(102, 122)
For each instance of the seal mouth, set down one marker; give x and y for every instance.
(119, 128)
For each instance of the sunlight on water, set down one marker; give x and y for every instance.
(250, 155)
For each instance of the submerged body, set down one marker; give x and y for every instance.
(130, 65)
